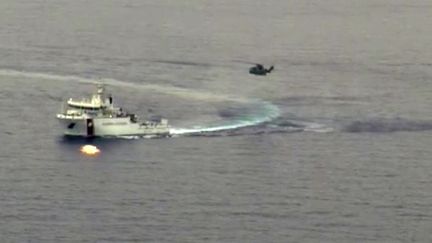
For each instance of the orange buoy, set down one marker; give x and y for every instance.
(89, 150)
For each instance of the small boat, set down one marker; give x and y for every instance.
(98, 117)
(260, 70)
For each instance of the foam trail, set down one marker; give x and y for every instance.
(315, 127)
(172, 90)
(267, 112)
(386, 125)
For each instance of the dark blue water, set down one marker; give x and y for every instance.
(333, 146)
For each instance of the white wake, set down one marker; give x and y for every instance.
(264, 112)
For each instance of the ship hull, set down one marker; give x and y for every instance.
(106, 127)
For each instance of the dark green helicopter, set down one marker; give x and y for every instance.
(260, 70)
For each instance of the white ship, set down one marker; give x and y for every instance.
(98, 116)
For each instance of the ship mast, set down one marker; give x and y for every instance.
(99, 97)
(101, 91)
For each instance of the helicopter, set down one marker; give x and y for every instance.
(259, 69)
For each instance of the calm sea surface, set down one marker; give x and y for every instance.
(333, 146)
